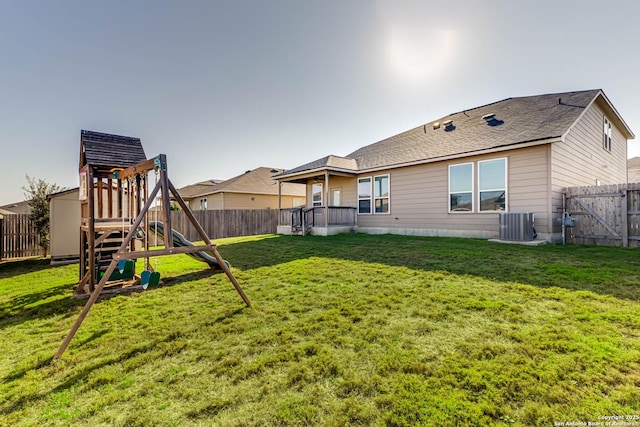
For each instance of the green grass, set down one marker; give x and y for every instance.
(345, 330)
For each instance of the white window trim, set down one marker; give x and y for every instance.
(473, 185)
(374, 198)
(370, 198)
(313, 202)
(607, 136)
(506, 189)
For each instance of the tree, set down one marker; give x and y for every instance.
(36, 193)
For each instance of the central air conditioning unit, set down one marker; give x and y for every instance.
(517, 226)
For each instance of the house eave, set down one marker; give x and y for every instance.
(312, 172)
(509, 147)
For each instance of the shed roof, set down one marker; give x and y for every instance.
(104, 151)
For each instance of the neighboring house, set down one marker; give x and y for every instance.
(633, 169)
(254, 189)
(452, 176)
(17, 208)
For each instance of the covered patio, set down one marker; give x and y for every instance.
(330, 182)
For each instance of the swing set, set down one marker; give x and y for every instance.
(116, 219)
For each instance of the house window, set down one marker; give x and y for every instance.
(364, 195)
(316, 194)
(461, 187)
(373, 195)
(381, 193)
(492, 189)
(606, 135)
(203, 204)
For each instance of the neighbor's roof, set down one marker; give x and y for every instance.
(256, 181)
(203, 187)
(501, 125)
(105, 151)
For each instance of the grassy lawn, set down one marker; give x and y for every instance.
(345, 330)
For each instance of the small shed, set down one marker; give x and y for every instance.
(64, 229)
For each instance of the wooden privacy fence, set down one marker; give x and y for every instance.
(227, 223)
(19, 237)
(607, 215)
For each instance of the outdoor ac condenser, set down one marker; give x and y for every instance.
(517, 226)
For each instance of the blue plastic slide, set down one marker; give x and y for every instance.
(180, 240)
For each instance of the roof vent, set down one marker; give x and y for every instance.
(448, 126)
(436, 125)
(492, 121)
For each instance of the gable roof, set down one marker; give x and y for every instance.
(199, 188)
(105, 151)
(256, 181)
(501, 125)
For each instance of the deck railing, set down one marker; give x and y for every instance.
(315, 217)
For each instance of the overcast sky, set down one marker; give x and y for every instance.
(226, 86)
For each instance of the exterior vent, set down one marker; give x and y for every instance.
(517, 227)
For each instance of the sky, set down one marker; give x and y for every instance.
(222, 87)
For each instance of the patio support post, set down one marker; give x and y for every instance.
(326, 199)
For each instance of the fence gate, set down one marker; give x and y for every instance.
(605, 215)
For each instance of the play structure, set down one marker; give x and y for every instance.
(119, 214)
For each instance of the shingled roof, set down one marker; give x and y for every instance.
(504, 124)
(104, 151)
(256, 181)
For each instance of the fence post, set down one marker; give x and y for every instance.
(624, 205)
(1, 238)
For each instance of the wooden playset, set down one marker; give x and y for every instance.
(117, 217)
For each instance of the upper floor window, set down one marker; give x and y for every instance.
(316, 194)
(606, 135)
(203, 204)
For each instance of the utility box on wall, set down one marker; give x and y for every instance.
(517, 226)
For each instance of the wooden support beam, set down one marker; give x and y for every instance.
(141, 167)
(110, 198)
(85, 310)
(162, 252)
(100, 197)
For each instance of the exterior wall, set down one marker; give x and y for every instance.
(582, 160)
(64, 228)
(251, 201)
(221, 201)
(419, 197)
